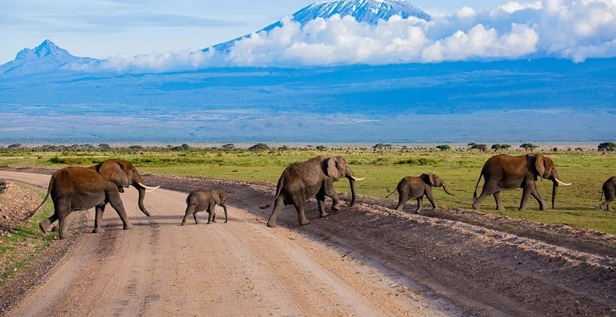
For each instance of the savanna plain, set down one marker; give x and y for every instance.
(487, 262)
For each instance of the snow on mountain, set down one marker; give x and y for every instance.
(43, 58)
(365, 11)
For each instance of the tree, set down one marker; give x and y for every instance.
(498, 147)
(444, 147)
(379, 147)
(528, 146)
(480, 147)
(104, 146)
(228, 146)
(259, 147)
(321, 148)
(607, 146)
(14, 146)
(283, 148)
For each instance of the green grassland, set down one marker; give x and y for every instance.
(24, 243)
(577, 205)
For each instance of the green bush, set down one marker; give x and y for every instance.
(70, 160)
(3, 186)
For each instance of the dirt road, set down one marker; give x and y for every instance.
(239, 268)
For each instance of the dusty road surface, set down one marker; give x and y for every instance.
(239, 268)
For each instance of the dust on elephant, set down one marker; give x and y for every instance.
(124, 174)
(418, 187)
(79, 188)
(314, 177)
(503, 172)
(204, 199)
(609, 191)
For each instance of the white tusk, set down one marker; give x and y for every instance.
(358, 179)
(561, 183)
(148, 188)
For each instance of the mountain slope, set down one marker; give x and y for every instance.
(43, 58)
(365, 11)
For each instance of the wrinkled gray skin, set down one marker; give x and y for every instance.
(609, 190)
(314, 177)
(204, 200)
(79, 188)
(416, 188)
(504, 172)
(124, 174)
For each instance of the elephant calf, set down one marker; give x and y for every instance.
(609, 190)
(204, 199)
(418, 187)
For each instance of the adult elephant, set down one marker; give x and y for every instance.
(504, 172)
(78, 188)
(314, 177)
(123, 174)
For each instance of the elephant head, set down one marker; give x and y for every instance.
(544, 167)
(336, 168)
(124, 174)
(219, 198)
(435, 181)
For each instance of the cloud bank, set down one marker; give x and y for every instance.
(575, 30)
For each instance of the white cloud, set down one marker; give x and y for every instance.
(577, 30)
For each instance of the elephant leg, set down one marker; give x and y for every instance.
(44, 225)
(430, 197)
(190, 210)
(328, 188)
(525, 193)
(609, 208)
(98, 219)
(197, 221)
(210, 215)
(116, 203)
(321, 203)
(499, 202)
(419, 204)
(535, 193)
(62, 231)
(214, 215)
(402, 198)
(487, 190)
(299, 206)
(278, 204)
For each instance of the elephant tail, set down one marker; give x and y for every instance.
(476, 185)
(44, 200)
(601, 197)
(278, 190)
(390, 192)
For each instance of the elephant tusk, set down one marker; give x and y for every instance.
(148, 188)
(358, 179)
(561, 183)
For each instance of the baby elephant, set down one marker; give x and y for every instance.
(609, 190)
(416, 187)
(204, 199)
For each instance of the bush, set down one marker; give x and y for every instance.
(70, 160)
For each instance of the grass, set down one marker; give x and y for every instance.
(24, 244)
(576, 205)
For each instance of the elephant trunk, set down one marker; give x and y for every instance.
(352, 184)
(138, 183)
(446, 191)
(225, 209)
(554, 190)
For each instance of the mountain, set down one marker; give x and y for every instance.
(44, 58)
(365, 11)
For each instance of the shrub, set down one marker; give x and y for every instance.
(259, 147)
(3, 186)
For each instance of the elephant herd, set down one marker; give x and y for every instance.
(81, 188)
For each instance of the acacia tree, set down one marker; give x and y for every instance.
(607, 146)
(444, 147)
(528, 146)
(259, 147)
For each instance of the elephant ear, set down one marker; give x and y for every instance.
(431, 178)
(113, 171)
(331, 169)
(540, 164)
(427, 178)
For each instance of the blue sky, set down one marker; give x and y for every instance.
(105, 28)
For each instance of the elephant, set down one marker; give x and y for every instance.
(609, 190)
(314, 177)
(124, 174)
(204, 199)
(504, 172)
(79, 188)
(418, 187)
